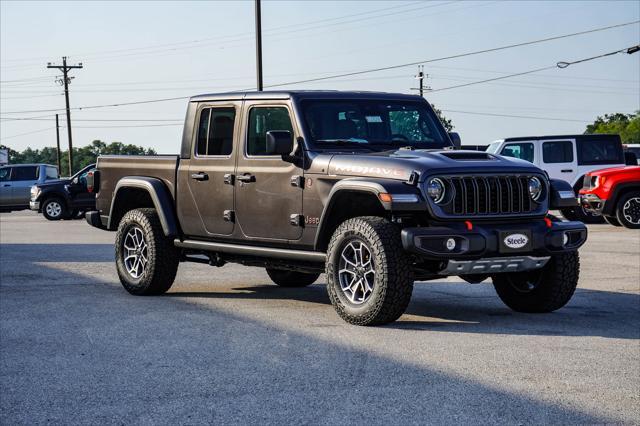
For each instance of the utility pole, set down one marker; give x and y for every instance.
(65, 81)
(258, 45)
(58, 145)
(420, 77)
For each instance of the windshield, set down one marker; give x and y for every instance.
(373, 124)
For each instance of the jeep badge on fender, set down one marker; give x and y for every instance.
(388, 200)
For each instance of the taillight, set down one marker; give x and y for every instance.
(90, 180)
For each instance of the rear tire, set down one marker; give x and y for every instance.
(628, 210)
(291, 278)
(539, 291)
(369, 276)
(146, 260)
(54, 208)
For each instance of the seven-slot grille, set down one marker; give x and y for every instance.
(490, 195)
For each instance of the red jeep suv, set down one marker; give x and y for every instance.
(615, 194)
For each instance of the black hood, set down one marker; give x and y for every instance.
(399, 164)
(51, 183)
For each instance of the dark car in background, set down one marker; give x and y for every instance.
(16, 181)
(64, 198)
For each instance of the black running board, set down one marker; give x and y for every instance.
(275, 253)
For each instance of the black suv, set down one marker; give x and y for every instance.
(366, 187)
(64, 198)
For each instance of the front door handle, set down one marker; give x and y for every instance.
(200, 176)
(566, 171)
(248, 178)
(6, 184)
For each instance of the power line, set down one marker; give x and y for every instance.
(376, 70)
(515, 116)
(461, 55)
(560, 65)
(242, 36)
(27, 133)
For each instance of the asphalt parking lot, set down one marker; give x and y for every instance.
(227, 346)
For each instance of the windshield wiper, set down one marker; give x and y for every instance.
(344, 141)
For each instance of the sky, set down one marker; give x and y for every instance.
(138, 51)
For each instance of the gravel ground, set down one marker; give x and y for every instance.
(227, 346)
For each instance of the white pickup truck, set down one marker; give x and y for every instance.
(566, 157)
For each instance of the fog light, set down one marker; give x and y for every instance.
(565, 239)
(451, 244)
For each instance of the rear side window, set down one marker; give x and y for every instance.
(215, 131)
(523, 151)
(262, 120)
(25, 173)
(600, 151)
(5, 174)
(52, 173)
(557, 152)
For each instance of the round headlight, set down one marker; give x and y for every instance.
(436, 190)
(535, 188)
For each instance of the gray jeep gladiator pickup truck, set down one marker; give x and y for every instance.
(366, 187)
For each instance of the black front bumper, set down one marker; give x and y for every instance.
(477, 241)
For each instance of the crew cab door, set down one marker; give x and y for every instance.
(5, 186)
(80, 196)
(208, 210)
(265, 198)
(559, 159)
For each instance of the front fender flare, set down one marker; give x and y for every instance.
(160, 197)
(374, 187)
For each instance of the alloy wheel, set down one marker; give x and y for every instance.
(631, 210)
(356, 272)
(53, 209)
(135, 252)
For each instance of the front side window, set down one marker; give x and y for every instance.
(25, 173)
(263, 120)
(373, 123)
(215, 131)
(523, 151)
(557, 152)
(5, 174)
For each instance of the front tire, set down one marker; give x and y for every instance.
(628, 210)
(146, 260)
(544, 290)
(611, 220)
(291, 278)
(54, 209)
(369, 276)
(584, 216)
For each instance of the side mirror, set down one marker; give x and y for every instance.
(279, 142)
(455, 138)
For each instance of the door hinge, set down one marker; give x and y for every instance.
(297, 181)
(296, 220)
(229, 216)
(228, 179)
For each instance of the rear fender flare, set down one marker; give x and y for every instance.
(160, 197)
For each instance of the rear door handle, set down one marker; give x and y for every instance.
(200, 176)
(246, 178)
(567, 171)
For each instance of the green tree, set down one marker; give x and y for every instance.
(626, 125)
(446, 122)
(82, 156)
